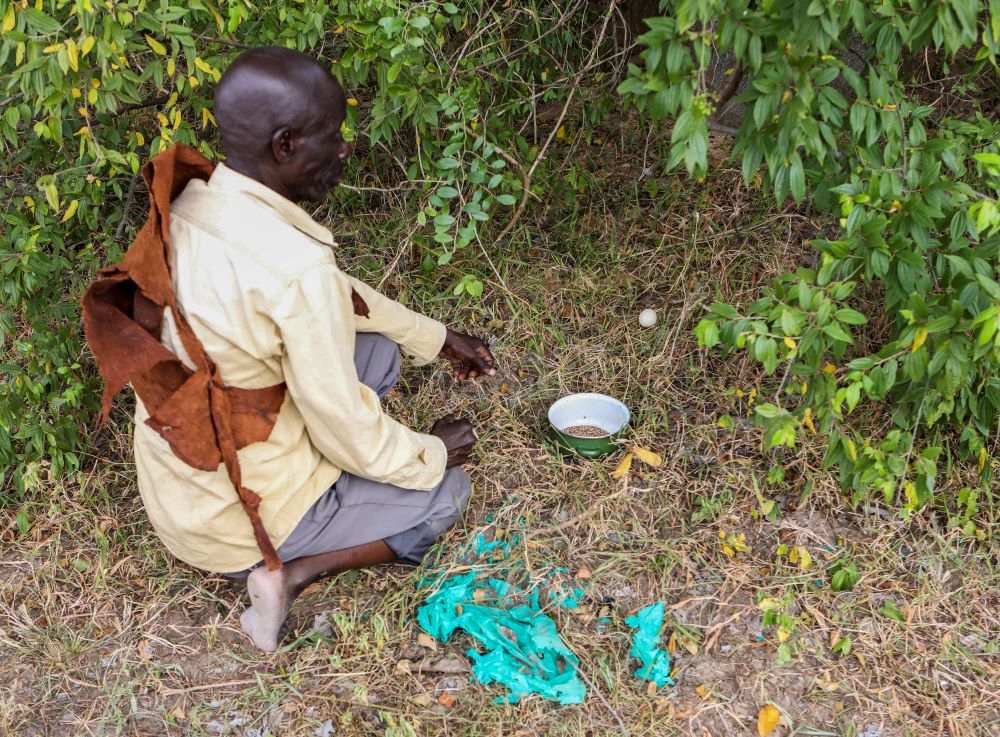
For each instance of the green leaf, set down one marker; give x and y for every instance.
(506, 199)
(797, 180)
(850, 316)
(723, 310)
(835, 331)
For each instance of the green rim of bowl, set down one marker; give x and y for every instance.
(589, 447)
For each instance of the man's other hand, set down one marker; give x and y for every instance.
(458, 437)
(469, 356)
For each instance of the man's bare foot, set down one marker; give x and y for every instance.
(269, 602)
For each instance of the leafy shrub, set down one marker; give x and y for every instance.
(913, 246)
(91, 88)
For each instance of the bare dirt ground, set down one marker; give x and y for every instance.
(102, 633)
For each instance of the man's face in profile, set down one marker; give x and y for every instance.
(320, 151)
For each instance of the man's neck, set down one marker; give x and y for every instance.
(264, 175)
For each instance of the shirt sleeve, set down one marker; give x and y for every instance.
(343, 417)
(420, 337)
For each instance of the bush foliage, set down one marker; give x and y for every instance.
(902, 307)
(901, 310)
(91, 88)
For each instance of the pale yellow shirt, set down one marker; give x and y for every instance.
(257, 279)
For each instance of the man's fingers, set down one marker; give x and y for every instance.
(485, 359)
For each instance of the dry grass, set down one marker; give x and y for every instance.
(104, 634)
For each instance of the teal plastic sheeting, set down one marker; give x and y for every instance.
(647, 623)
(523, 650)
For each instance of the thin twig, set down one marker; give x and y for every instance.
(222, 41)
(525, 186)
(13, 98)
(720, 128)
(607, 704)
(128, 204)
(573, 89)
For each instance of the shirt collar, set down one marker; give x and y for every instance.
(231, 180)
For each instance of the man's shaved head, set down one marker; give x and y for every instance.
(280, 113)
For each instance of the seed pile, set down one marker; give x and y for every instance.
(586, 431)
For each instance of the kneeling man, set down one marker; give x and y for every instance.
(342, 485)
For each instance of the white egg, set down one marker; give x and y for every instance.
(647, 318)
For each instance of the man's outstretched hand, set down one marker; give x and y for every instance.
(469, 356)
(458, 437)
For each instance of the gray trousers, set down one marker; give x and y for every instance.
(355, 510)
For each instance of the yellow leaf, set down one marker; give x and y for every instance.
(206, 117)
(19, 54)
(95, 83)
(92, 96)
(982, 459)
(807, 420)
(171, 66)
(561, 132)
(193, 81)
(783, 634)
(793, 555)
(919, 339)
(52, 49)
(829, 369)
(352, 102)
(789, 342)
(75, 92)
(52, 195)
(672, 643)
(702, 691)
(767, 720)
(647, 456)
(139, 138)
(8, 19)
(852, 449)
(87, 45)
(70, 211)
(156, 45)
(202, 65)
(163, 119)
(805, 559)
(623, 467)
(73, 55)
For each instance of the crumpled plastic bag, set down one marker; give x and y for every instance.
(523, 650)
(646, 645)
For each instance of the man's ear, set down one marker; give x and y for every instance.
(283, 144)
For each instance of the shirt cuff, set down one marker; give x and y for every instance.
(425, 342)
(435, 457)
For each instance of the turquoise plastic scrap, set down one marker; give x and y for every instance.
(562, 596)
(646, 645)
(483, 547)
(523, 650)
